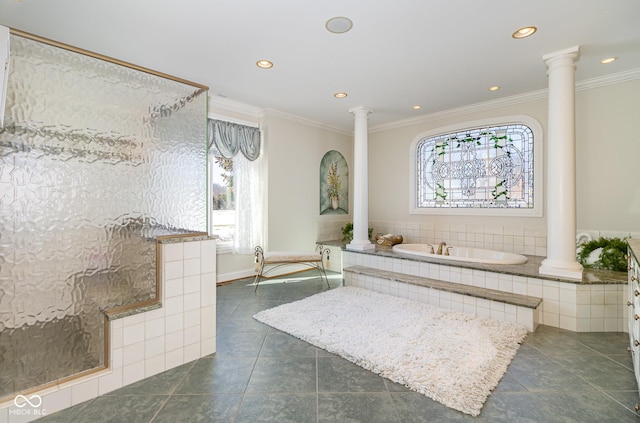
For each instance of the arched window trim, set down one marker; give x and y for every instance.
(534, 125)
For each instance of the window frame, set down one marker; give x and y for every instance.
(222, 247)
(538, 168)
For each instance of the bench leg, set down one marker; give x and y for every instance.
(256, 281)
(323, 272)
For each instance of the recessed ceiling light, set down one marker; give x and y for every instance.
(524, 32)
(339, 25)
(340, 95)
(494, 88)
(417, 107)
(608, 60)
(264, 64)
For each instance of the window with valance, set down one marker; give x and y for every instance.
(230, 138)
(236, 185)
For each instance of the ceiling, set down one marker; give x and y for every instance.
(437, 54)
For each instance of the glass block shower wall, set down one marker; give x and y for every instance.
(96, 161)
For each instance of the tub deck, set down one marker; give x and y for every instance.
(594, 303)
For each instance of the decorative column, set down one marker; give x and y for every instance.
(561, 166)
(360, 239)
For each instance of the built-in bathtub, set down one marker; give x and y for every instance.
(594, 303)
(473, 255)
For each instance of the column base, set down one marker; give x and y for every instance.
(565, 269)
(360, 245)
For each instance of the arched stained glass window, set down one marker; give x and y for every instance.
(481, 168)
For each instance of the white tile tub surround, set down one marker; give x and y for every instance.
(145, 344)
(575, 307)
(527, 317)
(520, 240)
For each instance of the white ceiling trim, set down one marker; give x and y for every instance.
(508, 101)
(232, 106)
(614, 78)
(308, 122)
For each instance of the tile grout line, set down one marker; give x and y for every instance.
(164, 403)
(255, 363)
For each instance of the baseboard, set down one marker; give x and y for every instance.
(233, 276)
(249, 273)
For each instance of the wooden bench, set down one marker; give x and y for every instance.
(271, 260)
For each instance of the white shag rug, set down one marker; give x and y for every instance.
(451, 357)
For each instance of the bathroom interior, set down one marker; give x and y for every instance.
(87, 190)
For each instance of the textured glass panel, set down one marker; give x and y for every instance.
(476, 168)
(96, 160)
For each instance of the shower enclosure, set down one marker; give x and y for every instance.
(97, 159)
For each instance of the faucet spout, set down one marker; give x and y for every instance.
(442, 244)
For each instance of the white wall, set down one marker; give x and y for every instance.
(607, 154)
(294, 151)
(607, 145)
(389, 152)
(608, 198)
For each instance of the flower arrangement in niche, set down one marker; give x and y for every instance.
(333, 182)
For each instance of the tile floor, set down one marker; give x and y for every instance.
(263, 375)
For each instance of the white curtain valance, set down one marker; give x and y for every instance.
(229, 138)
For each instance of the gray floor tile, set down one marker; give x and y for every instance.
(510, 407)
(261, 374)
(278, 408)
(199, 409)
(540, 373)
(218, 375)
(339, 375)
(509, 384)
(599, 371)
(240, 343)
(161, 384)
(586, 406)
(357, 407)
(628, 399)
(121, 408)
(283, 374)
(559, 345)
(395, 387)
(240, 322)
(282, 344)
(605, 343)
(622, 359)
(416, 408)
(67, 415)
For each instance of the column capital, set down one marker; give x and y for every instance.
(571, 53)
(360, 111)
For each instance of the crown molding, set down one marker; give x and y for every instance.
(508, 101)
(615, 78)
(304, 121)
(223, 104)
(226, 104)
(233, 106)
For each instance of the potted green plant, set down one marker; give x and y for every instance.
(347, 232)
(604, 253)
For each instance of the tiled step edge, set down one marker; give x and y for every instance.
(473, 291)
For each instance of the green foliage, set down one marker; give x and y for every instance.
(612, 257)
(347, 232)
(500, 190)
(441, 191)
(333, 181)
